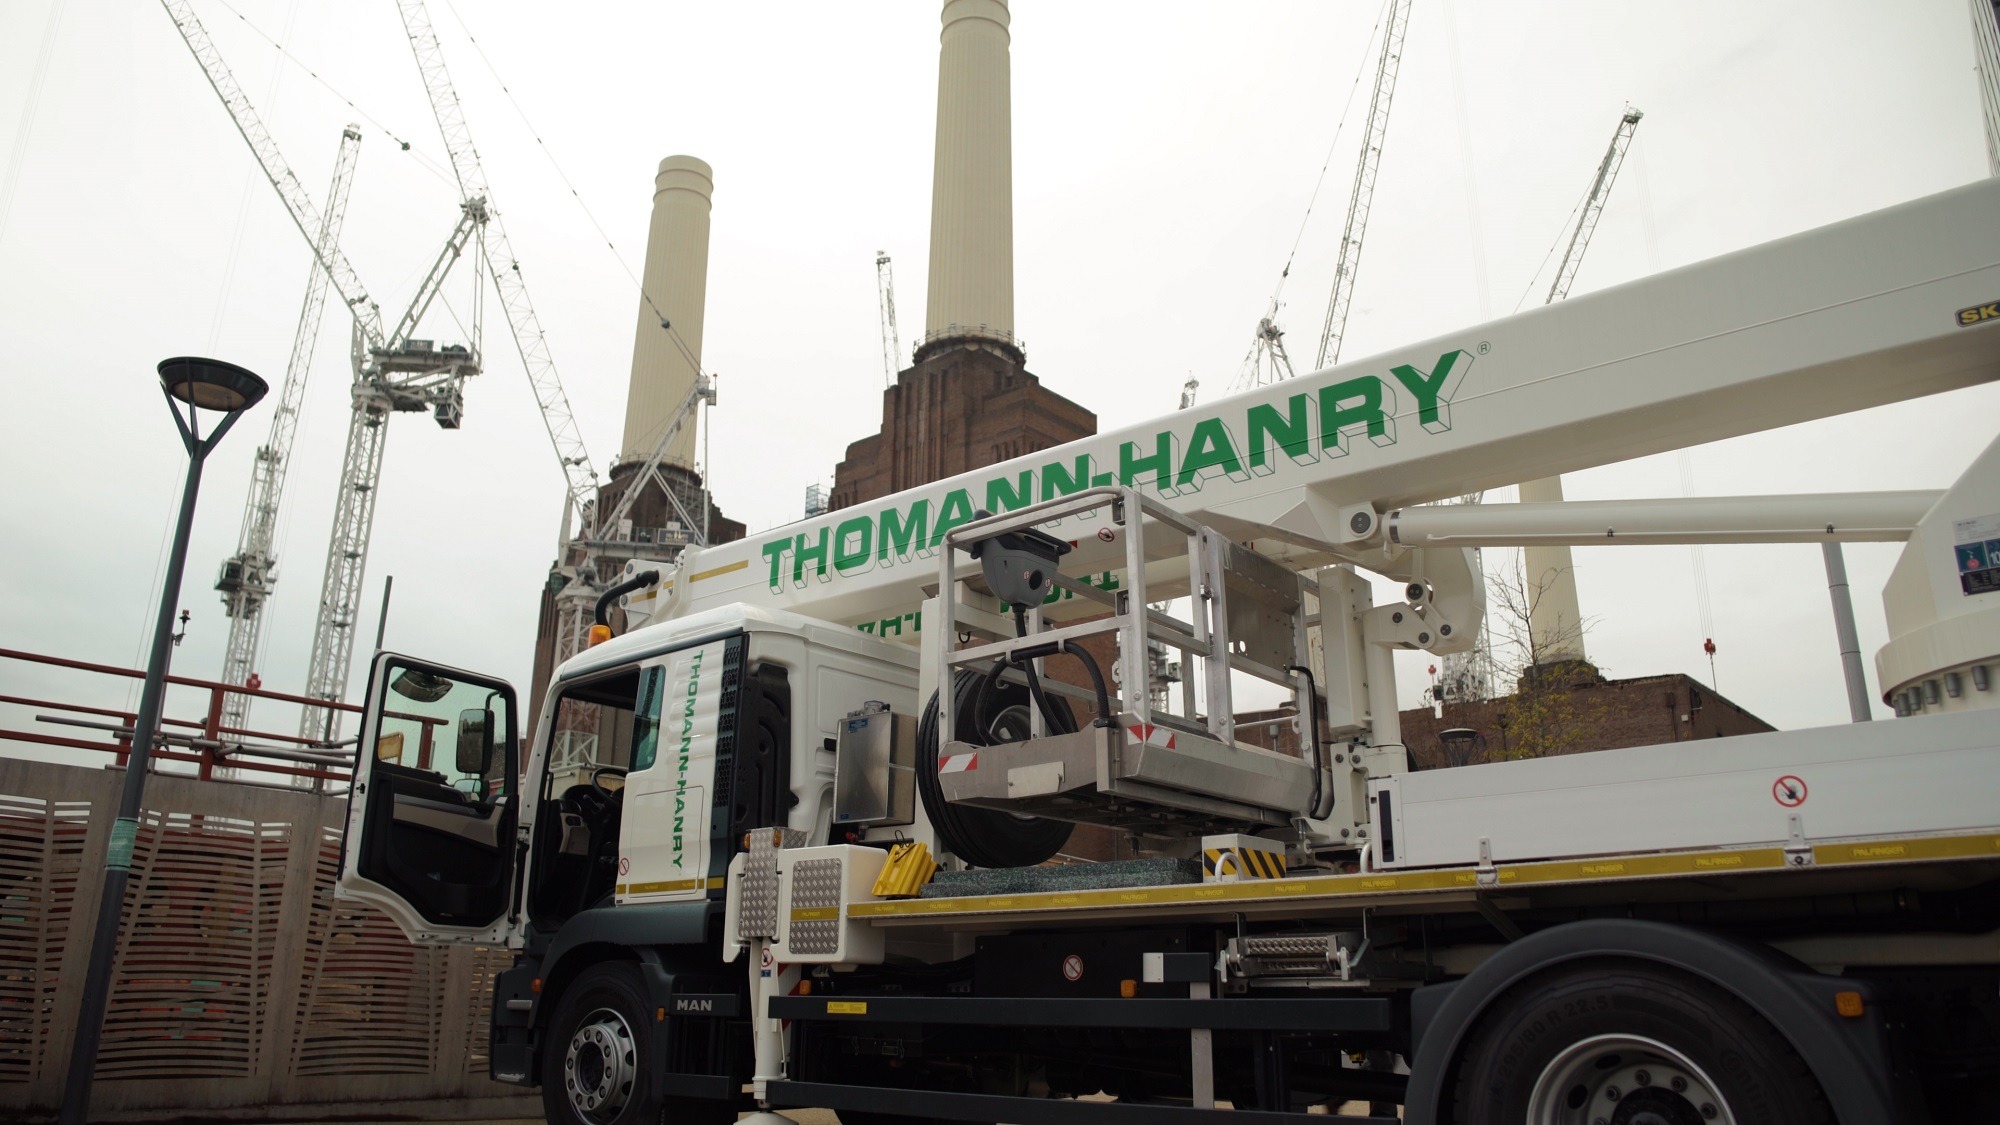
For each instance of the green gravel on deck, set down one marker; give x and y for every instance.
(1066, 877)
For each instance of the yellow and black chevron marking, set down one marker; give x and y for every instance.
(1242, 863)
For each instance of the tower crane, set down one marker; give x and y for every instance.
(248, 576)
(392, 372)
(1267, 361)
(1363, 195)
(587, 532)
(892, 343)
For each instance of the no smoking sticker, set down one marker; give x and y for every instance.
(1073, 967)
(1789, 790)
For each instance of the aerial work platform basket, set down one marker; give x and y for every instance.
(1141, 765)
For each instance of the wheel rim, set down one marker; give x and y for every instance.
(1625, 1080)
(600, 1066)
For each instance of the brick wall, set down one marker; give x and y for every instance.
(1634, 712)
(962, 406)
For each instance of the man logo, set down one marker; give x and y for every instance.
(694, 1005)
(1978, 314)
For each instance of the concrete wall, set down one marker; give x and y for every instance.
(240, 980)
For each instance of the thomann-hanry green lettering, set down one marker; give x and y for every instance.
(1302, 429)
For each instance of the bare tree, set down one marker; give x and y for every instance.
(1547, 714)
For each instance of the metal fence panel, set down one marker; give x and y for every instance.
(240, 979)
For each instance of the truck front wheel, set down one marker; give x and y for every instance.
(1630, 1044)
(594, 1066)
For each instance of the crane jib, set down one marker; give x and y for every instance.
(1301, 428)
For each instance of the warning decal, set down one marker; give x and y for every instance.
(1976, 548)
(1789, 791)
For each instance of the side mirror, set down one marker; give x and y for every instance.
(475, 741)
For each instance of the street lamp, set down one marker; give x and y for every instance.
(197, 384)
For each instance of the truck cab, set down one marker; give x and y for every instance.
(614, 823)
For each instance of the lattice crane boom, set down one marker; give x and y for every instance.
(892, 343)
(508, 283)
(703, 391)
(1593, 207)
(249, 575)
(297, 202)
(1363, 196)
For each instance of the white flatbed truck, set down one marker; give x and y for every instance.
(1800, 926)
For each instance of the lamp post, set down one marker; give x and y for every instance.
(198, 384)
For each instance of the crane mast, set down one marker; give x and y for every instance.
(249, 575)
(1363, 195)
(892, 343)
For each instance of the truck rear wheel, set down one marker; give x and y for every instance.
(1630, 1045)
(595, 1063)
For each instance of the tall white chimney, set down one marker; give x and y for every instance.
(972, 189)
(676, 287)
(1555, 617)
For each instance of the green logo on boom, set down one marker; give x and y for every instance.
(1302, 429)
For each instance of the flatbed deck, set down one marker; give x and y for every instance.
(1936, 862)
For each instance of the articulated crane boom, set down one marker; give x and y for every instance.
(1363, 196)
(248, 576)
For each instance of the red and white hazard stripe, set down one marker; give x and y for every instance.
(1151, 735)
(958, 763)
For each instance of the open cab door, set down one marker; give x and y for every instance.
(431, 818)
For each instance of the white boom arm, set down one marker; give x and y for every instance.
(1853, 315)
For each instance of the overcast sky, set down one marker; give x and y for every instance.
(1164, 154)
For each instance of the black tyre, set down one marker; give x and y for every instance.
(1616, 1042)
(986, 837)
(594, 1062)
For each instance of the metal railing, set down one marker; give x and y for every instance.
(205, 743)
